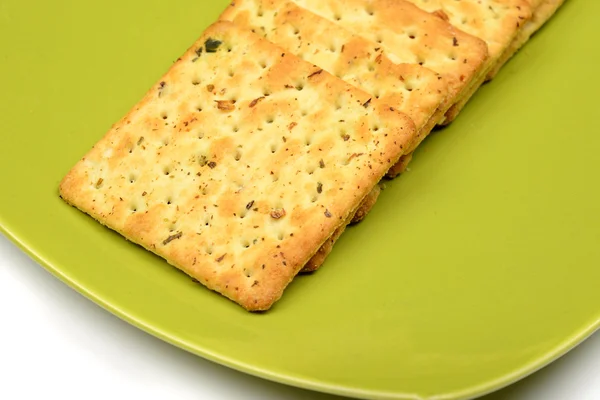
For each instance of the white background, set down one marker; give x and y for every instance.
(55, 343)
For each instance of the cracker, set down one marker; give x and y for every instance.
(543, 10)
(409, 35)
(235, 168)
(410, 88)
(413, 89)
(498, 22)
(495, 21)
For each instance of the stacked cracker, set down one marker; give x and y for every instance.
(247, 160)
(505, 25)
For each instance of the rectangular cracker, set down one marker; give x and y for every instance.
(497, 22)
(410, 35)
(418, 92)
(235, 168)
(543, 10)
(410, 88)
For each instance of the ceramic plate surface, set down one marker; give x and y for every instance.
(477, 267)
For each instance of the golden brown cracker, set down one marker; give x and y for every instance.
(235, 167)
(409, 35)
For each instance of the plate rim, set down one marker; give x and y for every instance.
(147, 326)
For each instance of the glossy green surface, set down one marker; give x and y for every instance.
(477, 267)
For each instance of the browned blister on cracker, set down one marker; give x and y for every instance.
(239, 164)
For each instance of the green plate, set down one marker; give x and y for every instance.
(477, 267)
